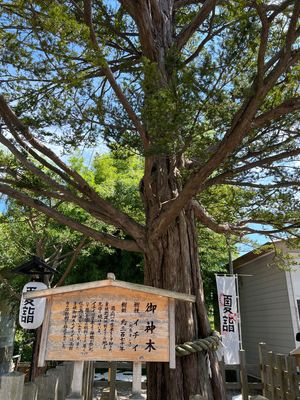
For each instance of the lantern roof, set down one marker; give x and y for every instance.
(35, 266)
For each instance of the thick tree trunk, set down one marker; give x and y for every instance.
(172, 263)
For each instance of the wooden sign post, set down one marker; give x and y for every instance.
(109, 320)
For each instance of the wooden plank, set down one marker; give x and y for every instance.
(137, 378)
(112, 325)
(272, 379)
(284, 376)
(77, 379)
(44, 335)
(232, 367)
(110, 283)
(233, 385)
(280, 375)
(255, 385)
(291, 378)
(120, 365)
(88, 380)
(112, 380)
(261, 352)
(222, 369)
(172, 343)
(243, 375)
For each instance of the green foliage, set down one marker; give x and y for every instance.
(213, 256)
(230, 203)
(23, 344)
(117, 180)
(50, 61)
(168, 110)
(96, 262)
(23, 229)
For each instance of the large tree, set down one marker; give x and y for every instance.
(205, 90)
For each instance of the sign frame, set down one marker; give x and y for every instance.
(86, 288)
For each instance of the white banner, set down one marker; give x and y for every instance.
(32, 311)
(229, 318)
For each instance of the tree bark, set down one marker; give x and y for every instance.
(171, 262)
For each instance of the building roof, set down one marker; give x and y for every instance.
(267, 248)
(252, 255)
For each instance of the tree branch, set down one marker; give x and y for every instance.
(284, 108)
(261, 185)
(263, 43)
(209, 36)
(207, 220)
(104, 238)
(184, 3)
(110, 77)
(288, 56)
(112, 215)
(268, 160)
(62, 192)
(242, 229)
(240, 127)
(278, 8)
(72, 262)
(271, 231)
(10, 288)
(191, 28)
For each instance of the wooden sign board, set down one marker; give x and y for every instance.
(111, 321)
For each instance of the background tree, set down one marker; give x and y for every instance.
(206, 91)
(25, 232)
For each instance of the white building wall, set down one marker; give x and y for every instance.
(293, 282)
(265, 308)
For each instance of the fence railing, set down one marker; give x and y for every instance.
(280, 375)
(280, 379)
(240, 381)
(56, 384)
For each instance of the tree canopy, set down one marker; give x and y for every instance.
(203, 80)
(206, 91)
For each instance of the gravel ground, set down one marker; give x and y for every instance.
(123, 388)
(124, 391)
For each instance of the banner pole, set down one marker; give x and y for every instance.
(238, 310)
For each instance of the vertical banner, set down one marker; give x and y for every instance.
(227, 299)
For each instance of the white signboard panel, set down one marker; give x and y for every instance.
(229, 318)
(32, 311)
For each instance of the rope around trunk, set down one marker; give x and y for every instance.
(209, 343)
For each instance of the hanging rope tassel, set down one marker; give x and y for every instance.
(209, 343)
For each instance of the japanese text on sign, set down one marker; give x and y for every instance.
(109, 328)
(229, 319)
(32, 311)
